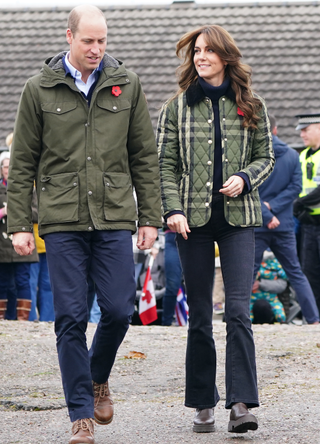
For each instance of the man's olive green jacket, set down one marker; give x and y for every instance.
(186, 154)
(86, 160)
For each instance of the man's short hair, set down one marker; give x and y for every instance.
(273, 122)
(76, 14)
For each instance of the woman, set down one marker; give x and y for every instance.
(215, 149)
(11, 264)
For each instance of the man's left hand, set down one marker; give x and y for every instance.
(146, 237)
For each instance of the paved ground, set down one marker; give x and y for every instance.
(149, 392)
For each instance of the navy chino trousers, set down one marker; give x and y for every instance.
(105, 256)
(197, 254)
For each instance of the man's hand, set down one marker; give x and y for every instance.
(274, 223)
(267, 205)
(146, 237)
(23, 243)
(178, 223)
(233, 186)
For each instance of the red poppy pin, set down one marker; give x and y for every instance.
(116, 91)
(240, 112)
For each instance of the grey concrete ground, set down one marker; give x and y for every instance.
(149, 392)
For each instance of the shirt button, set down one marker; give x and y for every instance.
(209, 142)
(108, 184)
(43, 189)
(227, 160)
(90, 193)
(127, 80)
(209, 121)
(209, 162)
(147, 223)
(223, 119)
(225, 139)
(223, 99)
(114, 107)
(58, 109)
(75, 184)
(208, 184)
(89, 158)
(90, 228)
(23, 228)
(207, 204)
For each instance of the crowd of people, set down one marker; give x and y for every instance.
(85, 175)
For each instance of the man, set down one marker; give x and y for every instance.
(83, 132)
(307, 206)
(277, 194)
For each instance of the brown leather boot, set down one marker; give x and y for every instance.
(204, 421)
(103, 404)
(241, 420)
(3, 308)
(82, 431)
(23, 309)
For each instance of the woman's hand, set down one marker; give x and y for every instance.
(178, 223)
(233, 186)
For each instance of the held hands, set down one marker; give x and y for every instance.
(233, 186)
(146, 237)
(178, 223)
(23, 243)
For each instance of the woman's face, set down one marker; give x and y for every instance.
(5, 169)
(208, 64)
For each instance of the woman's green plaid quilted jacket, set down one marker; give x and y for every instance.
(186, 155)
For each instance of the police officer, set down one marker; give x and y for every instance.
(307, 206)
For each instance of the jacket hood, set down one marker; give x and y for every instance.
(279, 147)
(56, 63)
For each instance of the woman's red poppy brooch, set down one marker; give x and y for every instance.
(240, 112)
(116, 91)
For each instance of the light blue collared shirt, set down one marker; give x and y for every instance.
(83, 87)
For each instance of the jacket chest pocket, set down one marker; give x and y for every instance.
(114, 106)
(59, 198)
(119, 203)
(53, 111)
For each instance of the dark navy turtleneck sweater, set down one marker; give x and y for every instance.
(214, 93)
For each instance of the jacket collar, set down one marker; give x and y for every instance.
(56, 62)
(195, 94)
(53, 71)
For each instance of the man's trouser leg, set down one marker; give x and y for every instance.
(310, 257)
(71, 256)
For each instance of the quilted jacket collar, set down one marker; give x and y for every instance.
(195, 94)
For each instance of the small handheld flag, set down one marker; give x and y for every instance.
(147, 303)
(182, 309)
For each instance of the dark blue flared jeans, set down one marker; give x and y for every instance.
(197, 254)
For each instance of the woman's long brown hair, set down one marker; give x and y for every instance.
(225, 47)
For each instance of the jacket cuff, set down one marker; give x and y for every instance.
(26, 229)
(247, 185)
(171, 213)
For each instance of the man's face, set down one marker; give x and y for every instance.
(311, 135)
(88, 44)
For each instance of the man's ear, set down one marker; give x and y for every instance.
(69, 36)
